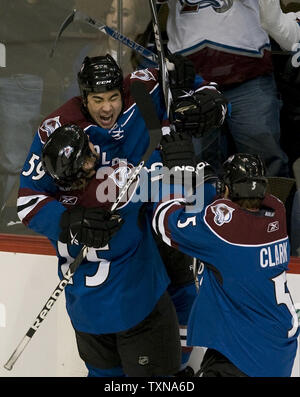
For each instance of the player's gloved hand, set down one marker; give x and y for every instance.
(182, 77)
(201, 112)
(177, 153)
(177, 150)
(93, 227)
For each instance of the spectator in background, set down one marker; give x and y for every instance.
(282, 27)
(285, 29)
(134, 20)
(232, 49)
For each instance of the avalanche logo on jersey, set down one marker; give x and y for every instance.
(142, 74)
(48, 127)
(223, 213)
(120, 175)
(110, 182)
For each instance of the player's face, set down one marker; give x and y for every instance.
(128, 17)
(105, 107)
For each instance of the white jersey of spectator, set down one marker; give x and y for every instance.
(284, 28)
(186, 33)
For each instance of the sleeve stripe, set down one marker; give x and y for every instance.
(158, 222)
(27, 204)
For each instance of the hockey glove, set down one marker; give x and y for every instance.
(178, 157)
(177, 150)
(199, 113)
(93, 227)
(183, 75)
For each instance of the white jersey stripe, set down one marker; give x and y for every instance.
(24, 202)
(159, 217)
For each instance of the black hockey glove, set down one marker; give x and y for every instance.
(178, 158)
(93, 227)
(183, 75)
(199, 113)
(177, 150)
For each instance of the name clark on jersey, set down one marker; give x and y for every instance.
(273, 256)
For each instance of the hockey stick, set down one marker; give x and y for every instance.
(147, 109)
(64, 25)
(79, 16)
(164, 64)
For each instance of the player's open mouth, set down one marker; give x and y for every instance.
(106, 121)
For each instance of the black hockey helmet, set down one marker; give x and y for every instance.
(64, 154)
(244, 174)
(99, 74)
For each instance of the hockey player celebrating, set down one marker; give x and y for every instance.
(124, 320)
(243, 313)
(110, 118)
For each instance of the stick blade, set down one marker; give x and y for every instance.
(64, 25)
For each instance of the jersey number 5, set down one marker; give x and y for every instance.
(283, 297)
(103, 266)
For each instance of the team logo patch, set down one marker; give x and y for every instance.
(120, 175)
(142, 74)
(112, 180)
(273, 226)
(48, 127)
(223, 213)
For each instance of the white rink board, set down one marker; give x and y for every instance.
(26, 282)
